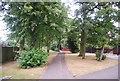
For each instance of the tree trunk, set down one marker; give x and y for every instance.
(59, 40)
(33, 42)
(22, 42)
(101, 53)
(48, 49)
(82, 44)
(39, 45)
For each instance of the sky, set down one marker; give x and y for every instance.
(4, 32)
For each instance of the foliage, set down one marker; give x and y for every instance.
(32, 58)
(72, 45)
(83, 22)
(99, 56)
(35, 22)
(71, 41)
(103, 57)
(108, 46)
(56, 49)
(104, 27)
(95, 23)
(40, 24)
(53, 46)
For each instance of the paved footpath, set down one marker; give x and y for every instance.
(57, 69)
(109, 73)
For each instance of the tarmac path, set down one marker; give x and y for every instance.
(58, 69)
(109, 73)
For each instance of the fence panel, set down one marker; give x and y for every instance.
(8, 53)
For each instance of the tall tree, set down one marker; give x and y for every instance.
(33, 22)
(84, 19)
(103, 28)
(85, 16)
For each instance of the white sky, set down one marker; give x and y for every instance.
(3, 32)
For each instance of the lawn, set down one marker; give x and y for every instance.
(80, 66)
(12, 69)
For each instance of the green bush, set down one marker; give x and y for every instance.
(98, 55)
(32, 58)
(56, 49)
(103, 57)
(80, 55)
(108, 46)
(53, 47)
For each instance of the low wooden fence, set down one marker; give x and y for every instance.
(106, 50)
(8, 53)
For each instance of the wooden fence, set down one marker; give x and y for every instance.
(106, 50)
(8, 53)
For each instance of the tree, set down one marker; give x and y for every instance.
(35, 24)
(86, 23)
(83, 20)
(103, 28)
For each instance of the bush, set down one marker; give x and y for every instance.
(53, 47)
(98, 55)
(103, 57)
(32, 58)
(56, 49)
(80, 55)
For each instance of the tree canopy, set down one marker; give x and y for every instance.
(41, 24)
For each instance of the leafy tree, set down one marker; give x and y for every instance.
(35, 25)
(35, 22)
(83, 20)
(103, 28)
(97, 26)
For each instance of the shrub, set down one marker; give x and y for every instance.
(56, 49)
(80, 55)
(32, 58)
(53, 47)
(98, 55)
(103, 57)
